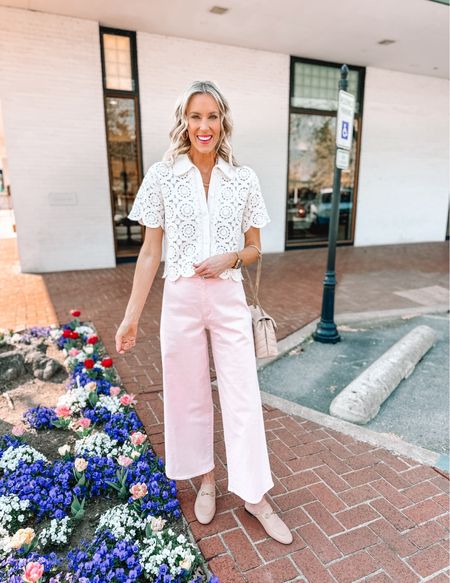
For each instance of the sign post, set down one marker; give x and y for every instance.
(326, 330)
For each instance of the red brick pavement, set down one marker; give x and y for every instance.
(358, 512)
(24, 299)
(291, 291)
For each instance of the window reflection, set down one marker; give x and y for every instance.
(123, 164)
(312, 149)
(311, 171)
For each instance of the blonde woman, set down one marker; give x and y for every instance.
(201, 201)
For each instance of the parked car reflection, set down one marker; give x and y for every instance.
(299, 213)
(320, 208)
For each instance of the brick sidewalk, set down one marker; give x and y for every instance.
(359, 513)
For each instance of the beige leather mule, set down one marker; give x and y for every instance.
(205, 504)
(273, 525)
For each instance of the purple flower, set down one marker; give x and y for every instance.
(40, 417)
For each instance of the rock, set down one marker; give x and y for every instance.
(16, 362)
(41, 365)
(46, 368)
(11, 365)
(31, 356)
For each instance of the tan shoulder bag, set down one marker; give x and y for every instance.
(264, 326)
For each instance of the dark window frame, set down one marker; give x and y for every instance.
(121, 93)
(328, 113)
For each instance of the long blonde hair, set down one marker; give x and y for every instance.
(179, 137)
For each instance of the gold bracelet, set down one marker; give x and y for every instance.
(237, 258)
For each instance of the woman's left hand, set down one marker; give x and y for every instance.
(215, 265)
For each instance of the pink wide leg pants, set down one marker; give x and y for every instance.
(190, 306)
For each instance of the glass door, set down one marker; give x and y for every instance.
(124, 171)
(312, 131)
(121, 98)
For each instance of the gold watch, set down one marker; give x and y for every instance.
(238, 263)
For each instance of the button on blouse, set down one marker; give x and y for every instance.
(196, 227)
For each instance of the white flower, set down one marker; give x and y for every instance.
(166, 547)
(123, 521)
(57, 533)
(5, 539)
(64, 449)
(111, 403)
(102, 445)
(84, 330)
(76, 399)
(12, 510)
(88, 349)
(56, 333)
(13, 455)
(99, 444)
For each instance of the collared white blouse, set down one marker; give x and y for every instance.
(196, 227)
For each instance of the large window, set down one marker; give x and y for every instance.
(312, 129)
(121, 96)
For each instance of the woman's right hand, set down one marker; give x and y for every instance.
(126, 336)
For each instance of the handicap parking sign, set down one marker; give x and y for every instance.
(345, 115)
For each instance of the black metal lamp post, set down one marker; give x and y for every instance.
(326, 330)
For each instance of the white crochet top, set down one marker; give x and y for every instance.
(196, 227)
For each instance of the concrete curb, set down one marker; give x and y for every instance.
(389, 442)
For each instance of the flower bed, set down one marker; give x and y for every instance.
(98, 506)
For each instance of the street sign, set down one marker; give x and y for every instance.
(326, 330)
(342, 159)
(345, 115)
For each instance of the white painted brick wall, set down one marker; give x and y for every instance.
(51, 97)
(52, 103)
(403, 185)
(256, 84)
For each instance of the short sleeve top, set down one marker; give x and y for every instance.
(196, 227)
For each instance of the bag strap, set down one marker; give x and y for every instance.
(255, 288)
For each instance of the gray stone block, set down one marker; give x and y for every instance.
(360, 401)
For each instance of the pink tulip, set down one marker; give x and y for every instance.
(114, 391)
(33, 572)
(84, 422)
(127, 400)
(124, 461)
(138, 490)
(73, 351)
(18, 430)
(63, 411)
(138, 438)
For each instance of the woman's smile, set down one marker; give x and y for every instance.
(204, 139)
